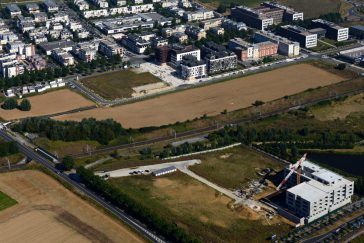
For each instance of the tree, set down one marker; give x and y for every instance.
(341, 66)
(25, 105)
(221, 8)
(258, 103)
(68, 163)
(10, 104)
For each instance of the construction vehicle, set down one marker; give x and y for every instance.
(297, 167)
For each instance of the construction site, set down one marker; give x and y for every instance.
(309, 192)
(306, 193)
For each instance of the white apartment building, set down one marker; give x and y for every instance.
(285, 47)
(322, 191)
(193, 71)
(178, 54)
(198, 15)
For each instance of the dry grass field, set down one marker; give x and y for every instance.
(118, 84)
(47, 212)
(339, 109)
(199, 209)
(47, 104)
(213, 99)
(314, 8)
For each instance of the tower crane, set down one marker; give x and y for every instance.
(293, 168)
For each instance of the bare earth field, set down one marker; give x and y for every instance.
(213, 99)
(48, 103)
(47, 212)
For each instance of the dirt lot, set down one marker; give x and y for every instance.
(213, 99)
(118, 84)
(47, 212)
(48, 103)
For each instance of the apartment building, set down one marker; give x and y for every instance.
(299, 34)
(217, 58)
(13, 10)
(252, 52)
(195, 32)
(63, 57)
(285, 47)
(198, 15)
(251, 17)
(192, 68)
(167, 32)
(50, 6)
(289, 14)
(357, 31)
(32, 8)
(136, 43)
(321, 191)
(109, 49)
(333, 31)
(177, 53)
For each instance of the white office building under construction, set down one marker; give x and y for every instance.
(316, 191)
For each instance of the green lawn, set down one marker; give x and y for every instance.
(6, 201)
(198, 209)
(118, 84)
(233, 168)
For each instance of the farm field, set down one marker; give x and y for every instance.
(311, 8)
(339, 109)
(48, 212)
(49, 103)
(118, 84)
(199, 209)
(213, 99)
(233, 168)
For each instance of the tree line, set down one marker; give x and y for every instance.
(12, 103)
(88, 129)
(168, 229)
(8, 148)
(48, 74)
(273, 140)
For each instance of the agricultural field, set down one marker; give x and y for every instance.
(311, 8)
(199, 209)
(6, 201)
(233, 168)
(48, 212)
(314, 8)
(339, 109)
(118, 84)
(49, 103)
(215, 98)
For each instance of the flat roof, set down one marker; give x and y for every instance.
(167, 169)
(358, 27)
(307, 191)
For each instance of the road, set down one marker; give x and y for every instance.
(133, 223)
(126, 172)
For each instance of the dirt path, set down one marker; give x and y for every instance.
(213, 99)
(47, 212)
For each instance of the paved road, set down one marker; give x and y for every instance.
(133, 223)
(125, 172)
